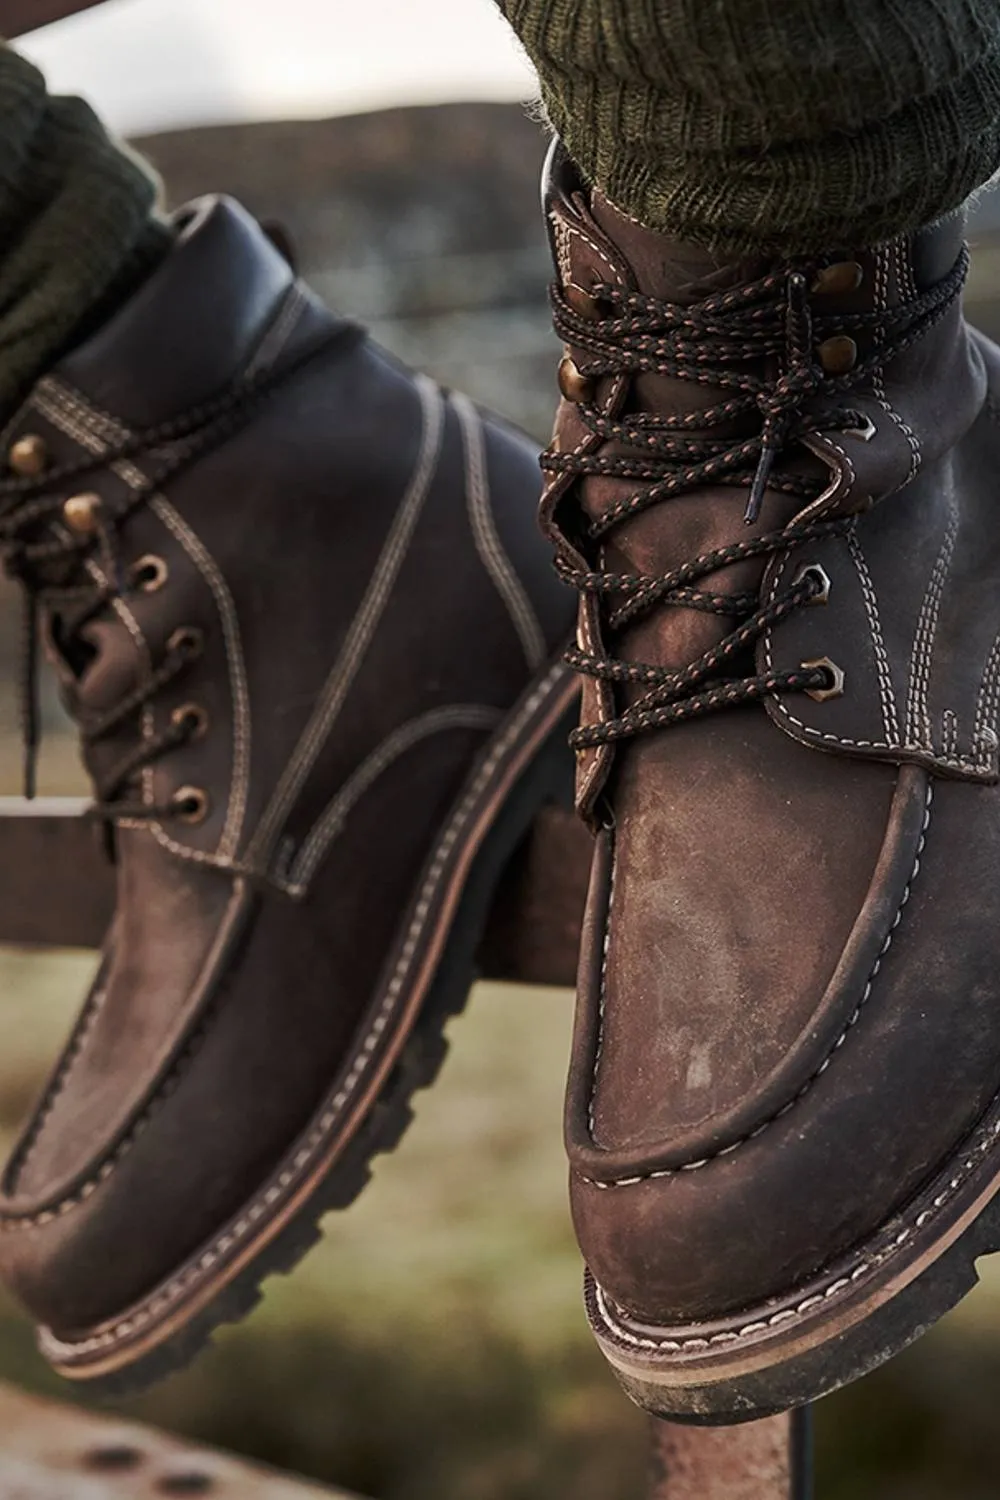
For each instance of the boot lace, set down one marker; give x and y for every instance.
(73, 578)
(724, 341)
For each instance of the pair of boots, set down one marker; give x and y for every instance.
(303, 616)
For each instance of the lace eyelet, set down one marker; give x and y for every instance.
(188, 641)
(193, 718)
(149, 574)
(820, 577)
(191, 804)
(838, 354)
(835, 679)
(29, 456)
(573, 384)
(80, 513)
(863, 434)
(583, 303)
(843, 276)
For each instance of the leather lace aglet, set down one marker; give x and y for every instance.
(756, 497)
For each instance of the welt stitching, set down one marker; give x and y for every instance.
(487, 539)
(886, 693)
(851, 1022)
(12, 1222)
(362, 628)
(823, 1293)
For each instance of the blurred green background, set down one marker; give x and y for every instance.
(434, 1344)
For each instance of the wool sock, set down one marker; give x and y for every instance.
(79, 225)
(773, 125)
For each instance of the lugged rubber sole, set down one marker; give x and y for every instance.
(163, 1346)
(845, 1323)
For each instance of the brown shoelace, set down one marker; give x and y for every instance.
(724, 342)
(50, 562)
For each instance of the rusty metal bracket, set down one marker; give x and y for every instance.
(768, 1460)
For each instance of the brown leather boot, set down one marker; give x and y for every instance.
(775, 486)
(303, 615)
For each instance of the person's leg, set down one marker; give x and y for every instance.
(79, 226)
(772, 124)
(774, 484)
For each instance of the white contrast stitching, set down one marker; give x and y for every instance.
(316, 1137)
(987, 705)
(487, 538)
(279, 333)
(918, 721)
(851, 1022)
(823, 1293)
(362, 630)
(95, 431)
(571, 229)
(317, 845)
(886, 691)
(602, 999)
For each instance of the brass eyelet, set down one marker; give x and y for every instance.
(821, 577)
(149, 574)
(188, 641)
(838, 354)
(843, 276)
(835, 679)
(190, 804)
(583, 303)
(29, 456)
(573, 384)
(80, 513)
(193, 718)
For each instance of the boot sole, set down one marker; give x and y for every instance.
(525, 765)
(861, 1311)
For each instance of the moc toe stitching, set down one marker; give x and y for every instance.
(698, 1163)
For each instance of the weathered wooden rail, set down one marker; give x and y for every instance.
(57, 888)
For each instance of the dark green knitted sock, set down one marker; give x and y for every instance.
(78, 224)
(785, 125)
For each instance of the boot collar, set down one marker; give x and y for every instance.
(918, 405)
(193, 325)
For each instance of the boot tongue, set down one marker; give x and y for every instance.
(669, 269)
(679, 529)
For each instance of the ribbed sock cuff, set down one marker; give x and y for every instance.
(763, 125)
(78, 222)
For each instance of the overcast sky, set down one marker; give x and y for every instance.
(148, 64)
